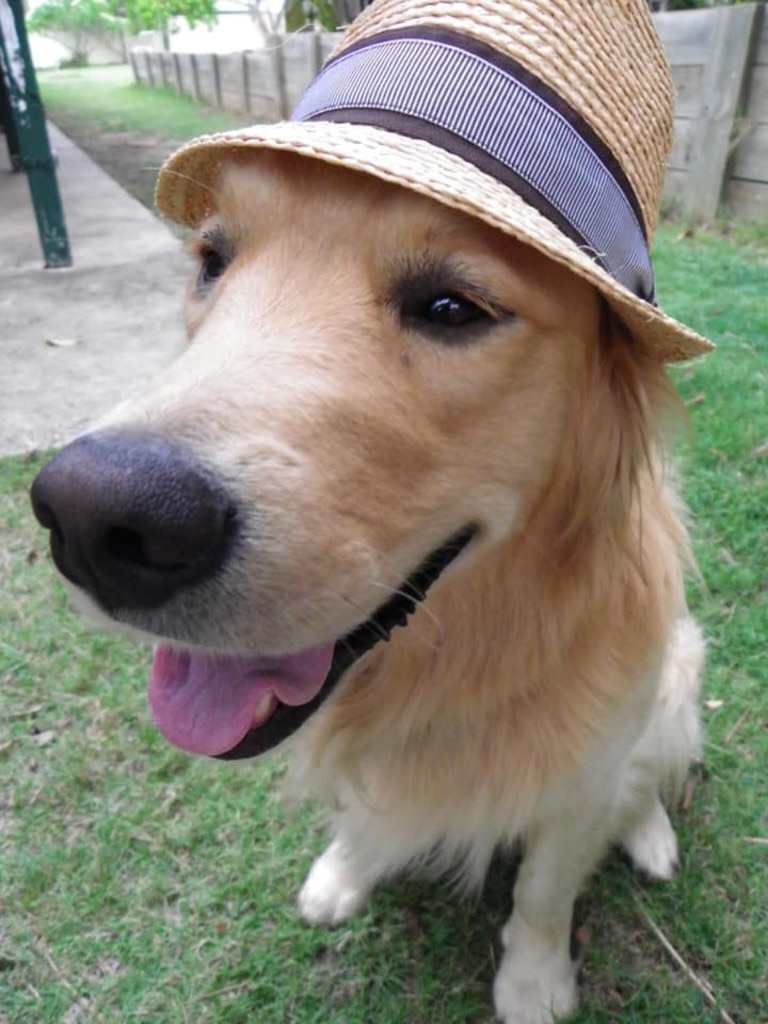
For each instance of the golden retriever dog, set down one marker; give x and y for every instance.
(403, 499)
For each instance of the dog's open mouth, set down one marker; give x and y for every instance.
(233, 706)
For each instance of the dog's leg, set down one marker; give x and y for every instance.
(536, 982)
(368, 847)
(652, 843)
(663, 756)
(335, 888)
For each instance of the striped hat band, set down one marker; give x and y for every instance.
(456, 92)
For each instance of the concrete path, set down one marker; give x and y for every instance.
(120, 303)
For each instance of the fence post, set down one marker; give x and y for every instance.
(317, 51)
(217, 80)
(246, 79)
(275, 44)
(196, 78)
(726, 76)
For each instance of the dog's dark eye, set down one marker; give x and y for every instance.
(449, 317)
(439, 301)
(451, 311)
(215, 255)
(212, 266)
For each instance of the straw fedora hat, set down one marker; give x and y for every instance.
(547, 119)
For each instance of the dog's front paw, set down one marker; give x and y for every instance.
(331, 893)
(525, 992)
(652, 844)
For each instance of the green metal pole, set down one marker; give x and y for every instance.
(28, 119)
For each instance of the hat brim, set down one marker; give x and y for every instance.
(187, 181)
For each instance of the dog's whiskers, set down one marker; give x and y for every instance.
(419, 598)
(353, 604)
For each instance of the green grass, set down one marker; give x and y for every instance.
(128, 129)
(140, 884)
(107, 99)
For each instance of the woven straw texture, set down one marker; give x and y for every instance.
(604, 59)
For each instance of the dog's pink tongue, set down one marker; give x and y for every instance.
(205, 703)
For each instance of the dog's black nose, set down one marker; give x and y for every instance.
(132, 519)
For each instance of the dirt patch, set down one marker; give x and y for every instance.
(131, 158)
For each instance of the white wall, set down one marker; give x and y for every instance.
(49, 52)
(231, 33)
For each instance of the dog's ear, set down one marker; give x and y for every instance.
(626, 407)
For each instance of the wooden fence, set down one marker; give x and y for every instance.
(719, 60)
(264, 83)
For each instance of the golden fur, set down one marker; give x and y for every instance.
(545, 689)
